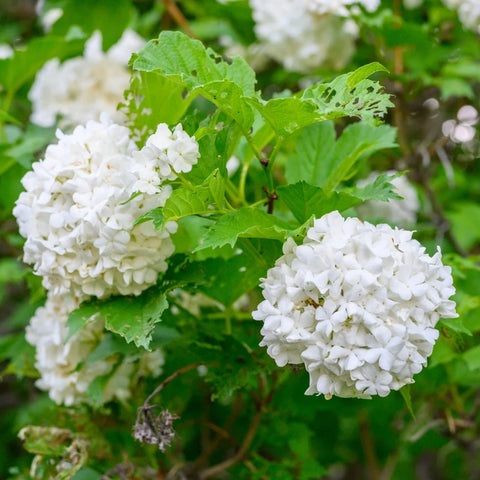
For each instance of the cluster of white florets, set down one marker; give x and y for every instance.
(79, 210)
(295, 35)
(173, 151)
(357, 304)
(81, 88)
(401, 212)
(340, 7)
(59, 360)
(78, 216)
(468, 12)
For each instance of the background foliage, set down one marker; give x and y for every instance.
(239, 415)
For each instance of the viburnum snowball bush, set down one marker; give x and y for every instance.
(81, 88)
(357, 304)
(294, 34)
(80, 206)
(58, 359)
(401, 212)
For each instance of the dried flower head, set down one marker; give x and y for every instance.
(154, 429)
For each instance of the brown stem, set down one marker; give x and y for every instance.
(202, 459)
(178, 17)
(250, 435)
(369, 448)
(398, 51)
(271, 197)
(173, 376)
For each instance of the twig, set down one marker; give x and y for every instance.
(369, 448)
(173, 376)
(250, 435)
(178, 17)
(271, 197)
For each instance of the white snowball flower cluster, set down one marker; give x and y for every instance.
(468, 12)
(174, 152)
(83, 87)
(58, 359)
(357, 305)
(81, 203)
(340, 7)
(297, 35)
(402, 212)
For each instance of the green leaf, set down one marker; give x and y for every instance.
(34, 140)
(133, 318)
(380, 189)
(305, 200)
(244, 223)
(314, 150)
(25, 63)
(228, 97)
(354, 78)
(466, 231)
(287, 115)
(443, 352)
(216, 186)
(226, 277)
(407, 397)
(111, 17)
(110, 345)
(185, 201)
(324, 162)
(472, 358)
(151, 100)
(210, 159)
(188, 62)
(358, 141)
(365, 100)
(455, 325)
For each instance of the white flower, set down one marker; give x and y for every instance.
(174, 152)
(468, 12)
(357, 304)
(402, 212)
(79, 210)
(462, 130)
(47, 17)
(298, 35)
(59, 360)
(340, 7)
(6, 51)
(81, 88)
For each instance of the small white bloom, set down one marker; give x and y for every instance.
(78, 213)
(356, 304)
(59, 360)
(81, 88)
(402, 212)
(174, 152)
(6, 51)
